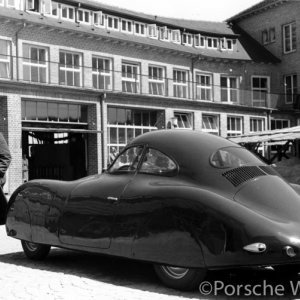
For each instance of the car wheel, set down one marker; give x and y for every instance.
(180, 278)
(35, 251)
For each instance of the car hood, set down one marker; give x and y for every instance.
(271, 197)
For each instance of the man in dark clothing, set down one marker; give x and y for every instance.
(5, 159)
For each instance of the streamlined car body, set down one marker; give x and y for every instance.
(183, 200)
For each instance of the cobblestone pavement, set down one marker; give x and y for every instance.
(75, 275)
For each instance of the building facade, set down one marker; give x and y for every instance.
(78, 80)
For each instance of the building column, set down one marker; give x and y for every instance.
(198, 120)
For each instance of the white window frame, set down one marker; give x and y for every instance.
(99, 17)
(1, 2)
(164, 34)
(71, 68)
(14, 5)
(230, 89)
(106, 74)
(215, 121)
(54, 5)
(84, 12)
(289, 40)
(68, 8)
(260, 90)
(259, 123)
(187, 39)
(281, 121)
(293, 88)
(180, 86)
(6, 60)
(37, 65)
(234, 131)
(158, 80)
(180, 120)
(140, 26)
(115, 22)
(208, 88)
(176, 36)
(214, 43)
(127, 22)
(199, 41)
(134, 80)
(152, 31)
(272, 34)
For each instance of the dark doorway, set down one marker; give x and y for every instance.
(53, 155)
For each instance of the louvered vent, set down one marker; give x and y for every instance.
(269, 170)
(242, 174)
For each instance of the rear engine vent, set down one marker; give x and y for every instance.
(242, 174)
(269, 170)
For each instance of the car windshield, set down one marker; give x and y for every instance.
(233, 157)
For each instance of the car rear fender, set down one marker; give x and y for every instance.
(3, 207)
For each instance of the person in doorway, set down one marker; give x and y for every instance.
(25, 168)
(5, 159)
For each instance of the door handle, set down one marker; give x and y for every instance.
(112, 198)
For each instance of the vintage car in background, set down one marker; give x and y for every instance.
(182, 200)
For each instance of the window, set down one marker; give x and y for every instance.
(157, 163)
(203, 87)
(69, 68)
(279, 124)
(257, 125)
(139, 29)
(127, 161)
(234, 126)
(127, 26)
(230, 44)
(52, 111)
(229, 89)
(99, 19)
(199, 40)
(187, 39)
(265, 36)
(212, 43)
(83, 16)
(226, 44)
(102, 73)
(289, 38)
(156, 81)
(112, 23)
(290, 88)
(180, 83)
(5, 52)
(125, 124)
(130, 78)
(35, 63)
(272, 35)
(175, 36)
(152, 31)
(210, 124)
(260, 91)
(54, 9)
(67, 12)
(184, 120)
(164, 33)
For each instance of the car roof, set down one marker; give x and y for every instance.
(184, 145)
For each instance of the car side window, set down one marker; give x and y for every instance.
(127, 161)
(157, 163)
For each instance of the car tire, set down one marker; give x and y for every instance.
(35, 251)
(180, 278)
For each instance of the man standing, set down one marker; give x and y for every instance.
(5, 159)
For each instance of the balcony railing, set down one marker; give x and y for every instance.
(77, 76)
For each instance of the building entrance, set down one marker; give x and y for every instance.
(54, 155)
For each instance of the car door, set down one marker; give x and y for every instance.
(88, 216)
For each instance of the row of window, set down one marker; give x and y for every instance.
(110, 22)
(289, 41)
(36, 69)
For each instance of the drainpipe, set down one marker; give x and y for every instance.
(17, 48)
(102, 102)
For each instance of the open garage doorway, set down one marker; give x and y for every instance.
(54, 155)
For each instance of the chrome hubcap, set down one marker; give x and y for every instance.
(175, 272)
(31, 246)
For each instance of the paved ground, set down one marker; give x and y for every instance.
(75, 275)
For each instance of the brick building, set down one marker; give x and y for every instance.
(79, 79)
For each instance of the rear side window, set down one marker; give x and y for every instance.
(157, 163)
